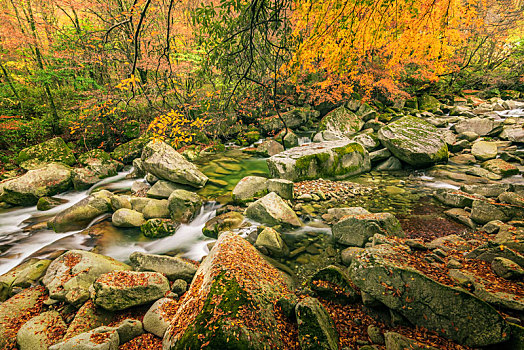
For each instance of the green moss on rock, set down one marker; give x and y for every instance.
(54, 150)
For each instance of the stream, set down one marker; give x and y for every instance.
(405, 193)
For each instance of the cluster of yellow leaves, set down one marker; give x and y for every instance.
(126, 84)
(372, 43)
(175, 128)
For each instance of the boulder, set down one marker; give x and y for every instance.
(357, 230)
(284, 188)
(316, 329)
(184, 205)
(272, 210)
(158, 317)
(233, 289)
(164, 162)
(128, 151)
(368, 140)
(101, 338)
(339, 213)
(483, 212)
(480, 126)
(28, 188)
(396, 341)
(120, 290)
(94, 154)
(87, 318)
(390, 164)
(332, 283)
(486, 190)
(127, 218)
(512, 133)
(158, 228)
(428, 103)
(511, 198)
(249, 188)
(484, 150)
(69, 277)
(290, 138)
(41, 331)
(455, 198)
(501, 167)
(54, 150)
(129, 329)
(269, 148)
(224, 222)
(506, 268)
(156, 209)
(96, 170)
(22, 276)
(450, 311)
(162, 189)
(380, 155)
(81, 214)
(341, 121)
(16, 311)
(414, 141)
(338, 159)
(271, 240)
(172, 267)
(46, 203)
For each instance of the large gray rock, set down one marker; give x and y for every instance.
(480, 126)
(272, 241)
(233, 289)
(162, 189)
(513, 134)
(338, 159)
(69, 276)
(272, 210)
(249, 188)
(120, 290)
(93, 172)
(54, 150)
(158, 318)
(172, 267)
(16, 311)
(42, 182)
(501, 167)
(341, 121)
(483, 212)
(357, 230)
(128, 151)
(455, 198)
(453, 312)
(41, 331)
(87, 318)
(164, 162)
(316, 329)
(156, 208)
(184, 205)
(414, 141)
(269, 148)
(101, 338)
(81, 214)
(284, 188)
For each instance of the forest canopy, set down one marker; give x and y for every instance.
(103, 72)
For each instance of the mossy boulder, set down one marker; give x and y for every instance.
(501, 167)
(98, 154)
(158, 228)
(69, 277)
(80, 214)
(316, 329)
(428, 103)
(290, 139)
(23, 276)
(414, 141)
(331, 159)
(249, 188)
(93, 172)
(127, 218)
(449, 311)
(172, 267)
(128, 151)
(54, 150)
(161, 160)
(184, 205)
(230, 304)
(28, 188)
(341, 121)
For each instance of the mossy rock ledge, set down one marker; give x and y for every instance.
(54, 150)
(452, 312)
(414, 141)
(332, 159)
(230, 304)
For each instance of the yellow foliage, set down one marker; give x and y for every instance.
(175, 128)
